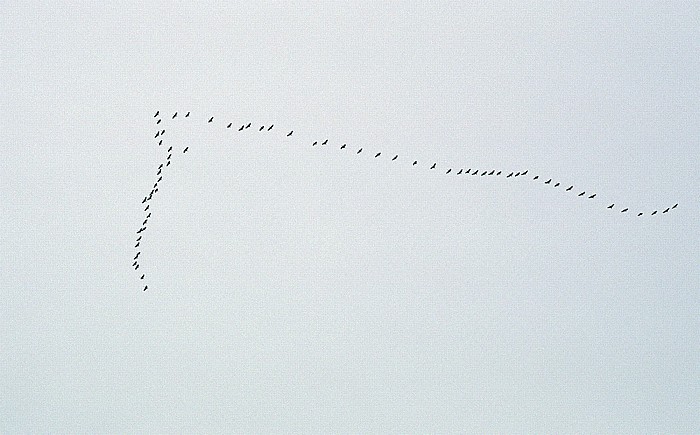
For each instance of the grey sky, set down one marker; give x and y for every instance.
(304, 289)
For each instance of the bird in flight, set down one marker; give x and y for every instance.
(483, 173)
(582, 193)
(415, 162)
(491, 173)
(624, 210)
(460, 171)
(270, 128)
(185, 150)
(666, 211)
(548, 181)
(557, 185)
(468, 171)
(229, 125)
(395, 157)
(143, 276)
(570, 187)
(655, 211)
(675, 205)
(248, 126)
(156, 115)
(640, 214)
(314, 144)
(187, 115)
(359, 151)
(611, 205)
(174, 115)
(433, 167)
(498, 173)
(343, 146)
(377, 155)
(158, 122)
(592, 196)
(448, 171)
(157, 134)
(517, 174)
(525, 173)
(509, 175)
(290, 133)
(261, 128)
(211, 119)
(242, 127)
(325, 142)
(145, 288)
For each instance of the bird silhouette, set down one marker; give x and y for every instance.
(624, 210)
(655, 211)
(325, 142)
(143, 276)
(145, 288)
(460, 171)
(483, 173)
(248, 126)
(147, 207)
(158, 121)
(548, 181)
(137, 267)
(160, 178)
(377, 155)
(666, 211)
(557, 185)
(174, 115)
(592, 196)
(144, 200)
(290, 133)
(137, 244)
(157, 134)
(448, 171)
(675, 205)
(185, 150)
(270, 128)
(395, 157)
(168, 163)
(162, 132)
(160, 142)
(170, 149)
(509, 175)
(498, 173)
(611, 205)
(468, 170)
(139, 238)
(137, 255)
(570, 187)
(314, 144)
(187, 115)
(359, 151)
(149, 215)
(342, 146)
(261, 128)
(525, 173)
(475, 172)
(169, 155)
(582, 193)
(156, 115)
(211, 119)
(229, 125)
(491, 173)
(535, 177)
(640, 214)
(134, 263)
(243, 126)
(433, 167)
(415, 162)
(517, 174)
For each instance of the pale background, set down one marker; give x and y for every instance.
(300, 289)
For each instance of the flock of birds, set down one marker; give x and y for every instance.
(469, 171)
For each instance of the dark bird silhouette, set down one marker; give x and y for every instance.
(397, 156)
(170, 149)
(160, 166)
(570, 187)
(143, 276)
(290, 133)
(137, 267)
(229, 125)
(666, 211)
(261, 128)
(475, 172)
(157, 134)
(134, 263)
(158, 121)
(149, 215)
(141, 236)
(145, 198)
(483, 173)
(517, 174)
(145, 288)
(174, 115)
(168, 163)
(359, 151)
(342, 146)
(187, 115)
(460, 171)
(498, 173)
(160, 178)
(535, 177)
(169, 155)
(377, 155)
(270, 128)
(509, 175)
(160, 142)
(145, 222)
(314, 144)
(242, 127)
(415, 162)
(185, 150)
(211, 119)
(655, 211)
(557, 185)
(548, 181)
(624, 210)
(156, 191)
(137, 244)
(491, 173)
(640, 214)
(156, 115)
(433, 167)
(676, 205)
(147, 207)
(525, 173)
(137, 255)
(248, 126)
(468, 170)
(162, 132)
(325, 142)
(592, 196)
(448, 171)
(582, 193)
(611, 205)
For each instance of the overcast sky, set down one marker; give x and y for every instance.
(300, 288)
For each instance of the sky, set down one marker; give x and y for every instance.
(312, 289)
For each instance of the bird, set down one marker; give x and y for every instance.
(448, 171)
(187, 115)
(137, 244)
(342, 146)
(157, 134)
(185, 150)
(145, 288)
(395, 157)
(134, 263)
(655, 211)
(570, 187)
(142, 236)
(675, 205)
(144, 200)
(582, 193)
(168, 163)
(149, 215)
(314, 144)
(509, 175)
(557, 185)
(640, 214)
(147, 207)
(156, 115)
(156, 191)
(137, 267)
(290, 133)
(624, 210)
(483, 173)
(548, 181)
(169, 155)
(174, 115)
(491, 173)
(517, 174)
(160, 166)
(170, 149)
(242, 127)
(325, 142)
(666, 211)
(159, 171)
(415, 162)
(611, 205)
(229, 125)
(162, 132)
(433, 167)
(211, 119)
(145, 222)
(248, 126)
(377, 155)
(359, 151)
(261, 128)
(460, 171)
(476, 172)
(592, 196)
(160, 142)
(137, 255)
(143, 276)
(159, 179)
(525, 173)
(536, 177)
(270, 128)
(158, 121)
(468, 170)
(498, 173)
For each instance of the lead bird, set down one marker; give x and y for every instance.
(290, 133)
(211, 119)
(185, 150)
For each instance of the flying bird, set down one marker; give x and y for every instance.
(187, 115)
(157, 134)
(162, 132)
(149, 215)
(156, 115)
(141, 236)
(145, 198)
(325, 142)
(640, 214)
(396, 156)
(248, 126)
(143, 276)
(185, 150)
(654, 212)
(676, 205)
(137, 267)
(211, 119)
(170, 149)
(242, 127)
(592, 196)
(134, 263)
(624, 210)
(460, 171)
(509, 175)
(415, 162)
(525, 173)
(468, 170)
(433, 167)
(491, 173)
(557, 185)
(611, 205)
(145, 288)
(137, 255)
(168, 163)
(270, 128)
(137, 244)
(290, 133)
(377, 155)
(261, 128)
(343, 146)
(229, 125)
(483, 173)
(160, 142)
(517, 174)
(159, 179)
(158, 121)
(570, 187)
(582, 193)
(666, 211)
(174, 115)
(314, 144)
(147, 207)
(476, 172)
(548, 181)
(536, 177)
(498, 173)
(359, 151)
(448, 171)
